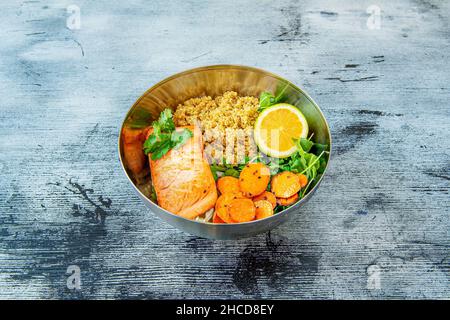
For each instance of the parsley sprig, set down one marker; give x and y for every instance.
(165, 136)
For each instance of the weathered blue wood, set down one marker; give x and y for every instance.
(65, 201)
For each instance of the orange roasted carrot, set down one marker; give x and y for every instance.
(225, 198)
(223, 202)
(266, 195)
(263, 209)
(285, 184)
(303, 180)
(228, 184)
(241, 210)
(216, 218)
(287, 201)
(223, 214)
(254, 179)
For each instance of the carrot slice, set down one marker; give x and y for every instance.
(216, 218)
(285, 184)
(254, 179)
(225, 198)
(266, 195)
(241, 210)
(264, 209)
(228, 184)
(287, 201)
(223, 214)
(223, 202)
(303, 180)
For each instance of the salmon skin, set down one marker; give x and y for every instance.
(183, 180)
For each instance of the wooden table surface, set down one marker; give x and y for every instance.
(378, 227)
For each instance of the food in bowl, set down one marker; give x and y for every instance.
(226, 159)
(223, 119)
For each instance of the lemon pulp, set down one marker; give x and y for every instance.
(277, 126)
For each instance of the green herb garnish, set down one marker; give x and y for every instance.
(305, 162)
(266, 99)
(231, 172)
(165, 136)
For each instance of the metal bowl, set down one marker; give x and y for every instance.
(212, 81)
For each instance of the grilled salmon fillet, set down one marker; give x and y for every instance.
(183, 180)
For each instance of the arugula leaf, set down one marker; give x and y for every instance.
(218, 167)
(322, 165)
(214, 173)
(165, 136)
(231, 172)
(318, 148)
(306, 144)
(280, 208)
(266, 99)
(298, 165)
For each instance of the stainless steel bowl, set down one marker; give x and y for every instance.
(212, 81)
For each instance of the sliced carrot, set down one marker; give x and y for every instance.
(228, 184)
(225, 198)
(285, 184)
(287, 201)
(266, 195)
(224, 201)
(264, 209)
(223, 214)
(303, 180)
(241, 210)
(254, 179)
(216, 218)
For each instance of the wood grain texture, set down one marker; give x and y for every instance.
(65, 201)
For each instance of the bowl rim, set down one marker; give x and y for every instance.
(213, 67)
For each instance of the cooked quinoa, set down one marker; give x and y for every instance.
(226, 122)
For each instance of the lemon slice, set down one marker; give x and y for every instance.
(275, 128)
